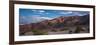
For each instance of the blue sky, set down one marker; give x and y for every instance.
(37, 15)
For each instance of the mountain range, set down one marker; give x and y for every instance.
(58, 24)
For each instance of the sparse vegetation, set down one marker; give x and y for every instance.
(38, 32)
(54, 30)
(50, 24)
(64, 29)
(78, 29)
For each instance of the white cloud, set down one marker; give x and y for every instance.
(66, 12)
(70, 12)
(33, 10)
(46, 18)
(47, 13)
(40, 18)
(32, 19)
(80, 14)
(41, 11)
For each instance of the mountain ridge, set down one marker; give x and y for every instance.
(57, 23)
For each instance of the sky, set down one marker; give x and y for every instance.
(27, 16)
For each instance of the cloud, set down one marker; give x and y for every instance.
(32, 19)
(47, 13)
(41, 11)
(34, 10)
(46, 18)
(69, 12)
(80, 13)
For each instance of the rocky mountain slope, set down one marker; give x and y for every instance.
(67, 24)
